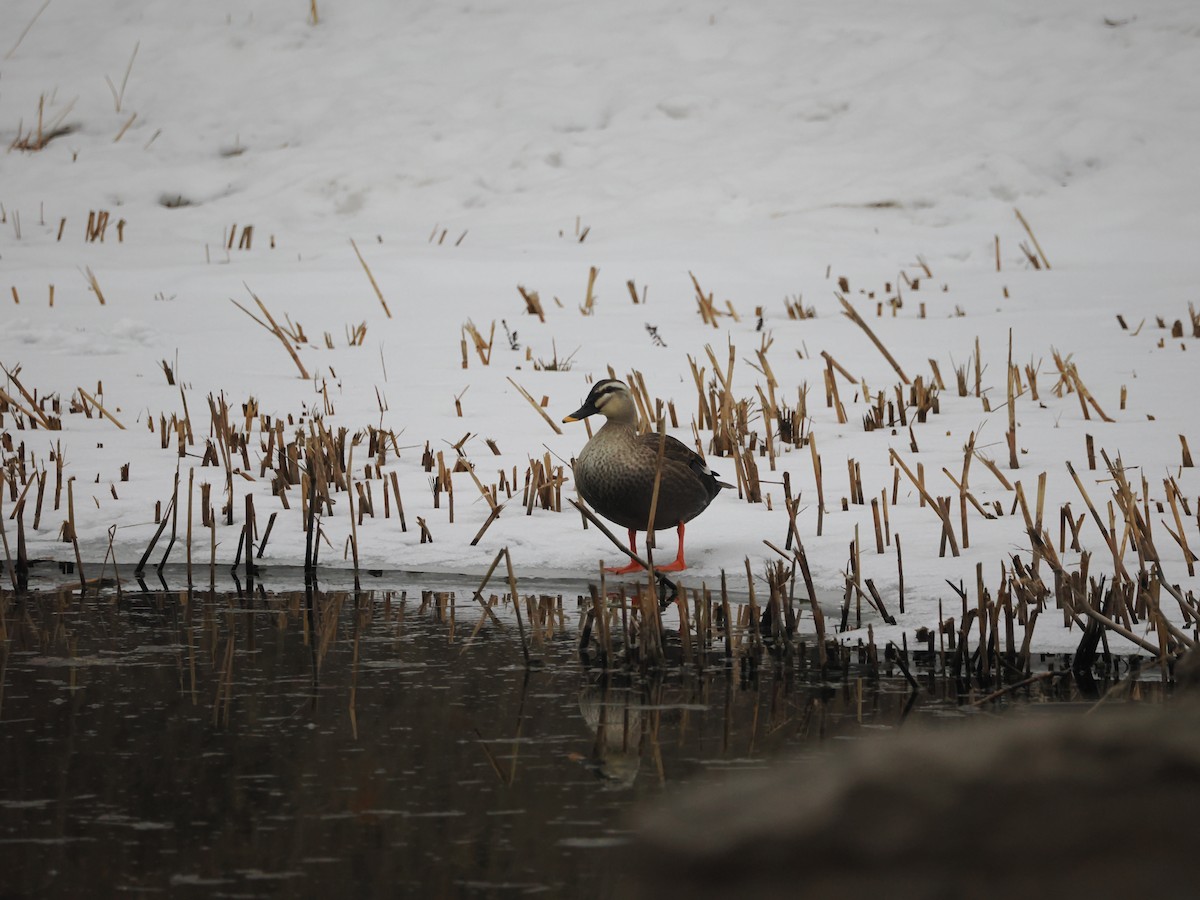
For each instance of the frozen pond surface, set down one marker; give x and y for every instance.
(333, 744)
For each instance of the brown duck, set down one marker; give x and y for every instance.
(615, 472)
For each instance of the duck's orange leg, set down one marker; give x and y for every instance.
(678, 565)
(633, 566)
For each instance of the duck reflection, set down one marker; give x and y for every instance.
(615, 716)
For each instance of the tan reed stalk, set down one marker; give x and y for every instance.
(995, 470)
(275, 329)
(852, 314)
(1029, 231)
(947, 526)
(537, 406)
(512, 587)
(74, 533)
(104, 412)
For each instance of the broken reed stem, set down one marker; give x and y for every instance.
(536, 406)
(274, 329)
(350, 504)
(816, 463)
(1012, 410)
(1029, 231)
(12, 575)
(658, 461)
(33, 413)
(74, 532)
(21, 37)
(943, 513)
(492, 516)
(852, 314)
(512, 587)
(94, 284)
(366, 268)
(96, 403)
(817, 614)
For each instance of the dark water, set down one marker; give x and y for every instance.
(163, 744)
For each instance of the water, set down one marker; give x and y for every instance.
(163, 744)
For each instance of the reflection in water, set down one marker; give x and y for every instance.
(364, 744)
(614, 716)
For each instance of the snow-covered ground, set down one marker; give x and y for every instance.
(769, 149)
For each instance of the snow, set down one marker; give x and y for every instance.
(768, 148)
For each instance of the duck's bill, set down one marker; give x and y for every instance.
(582, 413)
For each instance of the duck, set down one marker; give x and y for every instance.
(614, 473)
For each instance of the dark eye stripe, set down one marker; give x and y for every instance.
(606, 387)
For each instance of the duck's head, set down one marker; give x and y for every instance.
(611, 398)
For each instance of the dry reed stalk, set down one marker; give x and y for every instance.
(852, 314)
(589, 300)
(94, 284)
(162, 526)
(755, 616)
(968, 452)
(34, 412)
(832, 399)
(537, 406)
(121, 134)
(37, 514)
(837, 366)
(350, 505)
(968, 498)
(478, 596)
(708, 311)
(275, 329)
(727, 618)
(74, 533)
(943, 514)
(25, 31)
(702, 413)
(8, 563)
(1187, 454)
(816, 464)
(658, 461)
(96, 403)
(188, 534)
(492, 516)
(938, 382)
(516, 600)
(792, 507)
(533, 303)
(1029, 231)
(878, 525)
(1174, 496)
(817, 614)
(19, 507)
(1011, 436)
(995, 470)
(482, 347)
(358, 253)
(877, 602)
(1109, 539)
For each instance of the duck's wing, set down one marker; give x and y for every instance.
(678, 453)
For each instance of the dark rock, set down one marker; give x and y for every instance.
(1027, 806)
